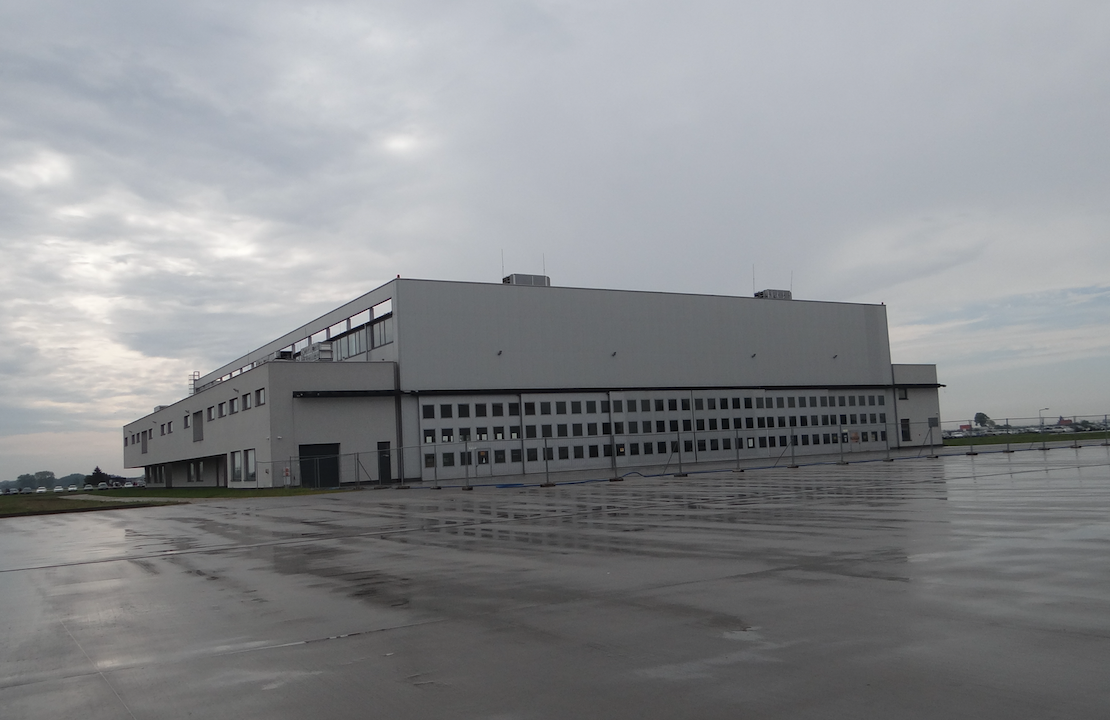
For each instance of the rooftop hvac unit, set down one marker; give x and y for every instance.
(518, 279)
(316, 352)
(775, 295)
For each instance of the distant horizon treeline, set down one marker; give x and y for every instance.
(47, 479)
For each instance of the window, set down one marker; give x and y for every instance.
(514, 455)
(631, 406)
(429, 437)
(645, 406)
(533, 455)
(591, 428)
(429, 460)
(579, 452)
(840, 401)
(169, 427)
(747, 423)
(464, 435)
(561, 408)
(793, 421)
(672, 404)
(514, 410)
(249, 466)
(882, 418)
(514, 432)
(824, 401)
(852, 400)
(564, 453)
(211, 413)
(447, 435)
(464, 410)
(233, 406)
(222, 411)
(576, 429)
(481, 434)
(498, 457)
(882, 399)
(711, 404)
(163, 429)
(747, 403)
(529, 431)
(449, 459)
(247, 401)
(903, 394)
(790, 402)
(658, 405)
(576, 407)
(618, 406)
(604, 406)
(186, 423)
(593, 451)
(607, 449)
(648, 448)
(545, 430)
(688, 446)
(759, 403)
(479, 409)
(699, 425)
(843, 419)
(633, 427)
(236, 466)
(562, 430)
(591, 407)
(530, 408)
(498, 409)
(446, 411)
(778, 402)
(713, 424)
(660, 426)
(260, 396)
(685, 403)
(906, 434)
(618, 428)
(429, 412)
(701, 445)
(466, 458)
(499, 432)
(606, 428)
(870, 399)
(674, 425)
(545, 408)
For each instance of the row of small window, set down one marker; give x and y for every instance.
(579, 452)
(634, 427)
(233, 405)
(243, 467)
(136, 438)
(576, 407)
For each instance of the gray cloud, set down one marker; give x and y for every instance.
(181, 183)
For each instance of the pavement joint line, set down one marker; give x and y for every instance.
(464, 524)
(99, 672)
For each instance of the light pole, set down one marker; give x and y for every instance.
(1040, 413)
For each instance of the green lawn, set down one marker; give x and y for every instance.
(12, 505)
(1030, 438)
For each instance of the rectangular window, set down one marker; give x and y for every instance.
(759, 403)
(481, 433)
(198, 426)
(466, 458)
(648, 447)
(790, 402)
(498, 410)
(250, 474)
(685, 403)
(579, 452)
(529, 408)
(429, 460)
(449, 459)
(672, 404)
(429, 412)
(163, 429)
(576, 407)
(606, 428)
(514, 432)
(778, 402)
(499, 432)
(464, 410)
(446, 411)
(711, 404)
(699, 404)
(211, 413)
(247, 401)
(747, 423)
(591, 407)
(699, 425)
(726, 444)
(618, 406)
(479, 410)
(593, 451)
(429, 436)
(763, 442)
(618, 428)
(843, 419)
(607, 449)
(169, 427)
(546, 430)
(447, 435)
(576, 428)
(533, 455)
(852, 419)
(498, 457)
(688, 446)
(604, 406)
(591, 428)
(793, 421)
(514, 409)
(747, 403)
(882, 399)
(660, 426)
(561, 430)
(906, 434)
(514, 455)
(658, 405)
(633, 427)
(545, 408)
(561, 408)
(222, 409)
(186, 423)
(882, 418)
(529, 431)
(236, 466)
(232, 406)
(851, 400)
(260, 396)
(564, 452)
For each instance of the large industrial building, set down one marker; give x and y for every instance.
(422, 380)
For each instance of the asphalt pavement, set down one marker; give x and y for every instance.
(956, 587)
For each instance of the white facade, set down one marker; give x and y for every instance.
(426, 375)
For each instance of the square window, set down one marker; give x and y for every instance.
(579, 452)
(576, 407)
(498, 456)
(658, 405)
(499, 432)
(759, 403)
(514, 455)
(618, 406)
(606, 428)
(529, 431)
(660, 426)
(591, 407)
(685, 403)
(672, 404)
(449, 459)
(711, 404)
(674, 425)
(562, 430)
(498, 409)
(634, 449)
(514, 409)
(533, 455)
(529, 408)
(593, 451)
(712, 423)
(447, 435)
(560, 408)
(633, 427)
(464, 435)
(446, 411)
(481, 434)
(591, 428)
(464, 410)
(479, 410)
(699, 404)
(514, 432)
(429, 436)
(429, 412)
(576, 428)
(604, 406)
(546, 430)
(564, 452)
(545, 408)
(429, 460)
(790, 402)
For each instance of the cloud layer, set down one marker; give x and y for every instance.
(179, 184)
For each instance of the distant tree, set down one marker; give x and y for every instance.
(72, 479)
(25, 480)
(982, 420)
(98, 476)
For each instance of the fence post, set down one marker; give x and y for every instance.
(971, 439)
(1106, 427)
(886, 434)
(738, 468)
(547, 469)
(793, 441)
(840, 442)
(678, 446)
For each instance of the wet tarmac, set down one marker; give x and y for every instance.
(958, 587)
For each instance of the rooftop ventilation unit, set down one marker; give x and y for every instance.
(316, 352)
(775, 295)
(535, 280)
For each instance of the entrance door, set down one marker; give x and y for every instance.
(385, 464)
(319, 465)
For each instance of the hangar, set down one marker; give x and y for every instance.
(426, 380)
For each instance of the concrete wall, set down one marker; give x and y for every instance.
(486, 336)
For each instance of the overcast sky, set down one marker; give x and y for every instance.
(182, 182)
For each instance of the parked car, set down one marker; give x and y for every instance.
(102, 486)
(25, 491)
(72, 488)
(140, 483)
(89, 486)
(129, 484)
(59, 488)
(40, 489)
